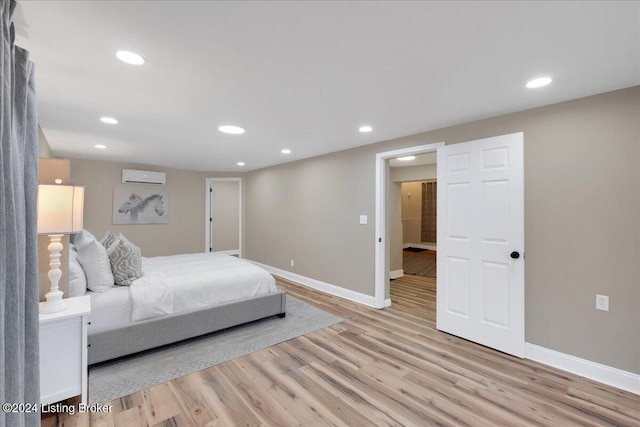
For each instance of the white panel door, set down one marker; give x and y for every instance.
(480, 290)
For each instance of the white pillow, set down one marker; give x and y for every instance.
(96, 265)
(126, 261)
(77, 278)
(82, 238)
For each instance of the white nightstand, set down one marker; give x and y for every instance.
(63, 352)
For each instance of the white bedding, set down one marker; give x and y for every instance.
(171, 284)
(109, 309)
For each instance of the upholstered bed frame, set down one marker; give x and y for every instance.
(120, 341)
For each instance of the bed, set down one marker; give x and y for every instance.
(175, 298)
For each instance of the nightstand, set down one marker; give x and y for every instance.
(63, 352)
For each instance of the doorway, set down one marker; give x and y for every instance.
(480, 210)
(383, 215)
(413, 235)
(223, 216)
(418, 221)
(413, 215)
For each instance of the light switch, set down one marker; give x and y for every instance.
(363, 219)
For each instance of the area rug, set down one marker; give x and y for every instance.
(419, 263)
(112, 380)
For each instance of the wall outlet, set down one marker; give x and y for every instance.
(292, 263)
(602, 302)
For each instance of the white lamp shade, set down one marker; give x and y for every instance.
(60, 209)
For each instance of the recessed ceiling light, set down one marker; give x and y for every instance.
(240, 163)
(100, 146)
(365, 129)
(234, 130)
(539, 82)
(285, 151)
(129, 57)
(406, 158)
(109, 120)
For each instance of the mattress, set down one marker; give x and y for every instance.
(177, 283)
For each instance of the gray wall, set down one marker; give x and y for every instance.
(582, 216)
(185, 231)
(309, 211)
(411, 195)
(414, 173)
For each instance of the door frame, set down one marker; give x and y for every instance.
(382, 246)
(207, 215)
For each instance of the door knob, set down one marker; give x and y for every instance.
(515, 254)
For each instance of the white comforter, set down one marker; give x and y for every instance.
(171, 284)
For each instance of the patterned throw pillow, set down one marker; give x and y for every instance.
(108, 239)
(126, 261)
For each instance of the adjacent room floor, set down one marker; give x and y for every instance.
(421, 262)
(377, 368)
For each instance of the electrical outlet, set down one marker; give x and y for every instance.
(292, 263)
(602, 302)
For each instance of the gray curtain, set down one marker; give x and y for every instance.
(19, 361)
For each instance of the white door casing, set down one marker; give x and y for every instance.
(210, 213)
(382, 246)
(480, 287)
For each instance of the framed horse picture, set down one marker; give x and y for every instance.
(140, 205)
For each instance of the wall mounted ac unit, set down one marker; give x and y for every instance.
(143, 177)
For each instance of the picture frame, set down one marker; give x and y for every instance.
(140, 205)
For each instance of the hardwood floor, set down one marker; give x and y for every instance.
(386, 367)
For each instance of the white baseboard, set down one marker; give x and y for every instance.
(328, 288)
(595, 371)
(230, 252)
(429, 246)
(396, 273)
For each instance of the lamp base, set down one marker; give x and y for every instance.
(54, 303)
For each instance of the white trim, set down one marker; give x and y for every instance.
(230, 252)
(327, 288)
(207, 215)
(429, 246)
(595, 371)
(396, 273)
(381, 264)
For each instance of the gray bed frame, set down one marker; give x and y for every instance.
(134, 337)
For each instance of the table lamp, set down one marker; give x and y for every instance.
(60, 210)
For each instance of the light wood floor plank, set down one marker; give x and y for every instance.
(377, 368)
(189, 395)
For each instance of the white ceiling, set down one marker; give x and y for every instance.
(306, 75)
